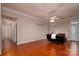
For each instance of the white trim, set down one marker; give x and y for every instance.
(18, 43)
(17, 12)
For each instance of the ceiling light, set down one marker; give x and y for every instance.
(53, 18)
(52, 21)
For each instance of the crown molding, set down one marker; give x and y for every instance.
(19, 13)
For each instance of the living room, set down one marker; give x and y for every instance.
(27, 26)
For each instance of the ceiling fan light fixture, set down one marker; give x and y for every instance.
(52, 21)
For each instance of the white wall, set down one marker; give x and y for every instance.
(0, 31)
(29, 30)
(61, 27)
(27, 27)
(78, 31)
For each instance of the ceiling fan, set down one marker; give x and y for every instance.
(52, 20)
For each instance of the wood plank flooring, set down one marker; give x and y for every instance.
(42, 48)
(9, 48)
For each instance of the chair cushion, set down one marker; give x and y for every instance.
(53, 36)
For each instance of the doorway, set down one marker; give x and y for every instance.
(9, 36)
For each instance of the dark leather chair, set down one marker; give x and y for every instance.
(60, 38)
(49, 38)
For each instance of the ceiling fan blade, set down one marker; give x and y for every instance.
(56, 18)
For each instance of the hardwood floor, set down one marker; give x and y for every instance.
(43, 48)
(9, 48)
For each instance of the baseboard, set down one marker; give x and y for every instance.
(18, 43)
(72, 40)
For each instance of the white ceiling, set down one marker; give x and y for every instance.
(45, 10)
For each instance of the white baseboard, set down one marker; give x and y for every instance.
(18, 43)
